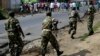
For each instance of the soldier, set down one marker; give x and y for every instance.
(91, 11)
(48, 36)
(14, 32)
(73, 22)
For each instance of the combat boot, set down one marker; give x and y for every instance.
(91, 33)
(69, 32)
(72, 37)
(43, 54)
(59, 53)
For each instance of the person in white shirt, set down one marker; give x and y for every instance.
(52, 6)
(70, 5)
(74, 4)
(58, 5)
(31, 8)
(35, 7)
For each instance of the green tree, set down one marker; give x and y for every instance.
(63, 0)
(3, 14)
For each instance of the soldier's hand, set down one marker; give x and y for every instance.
(60, 22)
(23, 36)
(80, 21)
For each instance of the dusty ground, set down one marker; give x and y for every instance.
(71, 47)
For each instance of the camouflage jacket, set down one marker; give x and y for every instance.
(11, 26)
(74, 16)
(47, 23)
(91, 10)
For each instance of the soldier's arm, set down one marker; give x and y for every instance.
(94, 9)
(88, 11)
(19, 28)
(6, 25)
(78, 16)
(42, 26)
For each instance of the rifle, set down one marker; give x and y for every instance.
(81, 21)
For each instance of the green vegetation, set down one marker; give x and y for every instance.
(95, 28)
(29, 1)
(3, 13)
(63, 0)
(84, 37)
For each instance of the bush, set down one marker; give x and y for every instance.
(3, 14)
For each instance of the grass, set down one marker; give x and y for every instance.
(95, 28)
(83, 37)
(4, 12)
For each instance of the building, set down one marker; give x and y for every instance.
(4, 3)
(10, 4)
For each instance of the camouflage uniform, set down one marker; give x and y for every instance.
(48, 36)
(12, 27)
(91, 11)
(73, 22)
(54, 26)
(55, 23)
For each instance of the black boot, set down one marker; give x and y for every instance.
(91, 33)
(59, 53)
(69, 32)
(43, 54)
(72, 37)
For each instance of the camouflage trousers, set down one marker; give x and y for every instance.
(73, 27)
(15, 45)
(90, 26)
(47, 36)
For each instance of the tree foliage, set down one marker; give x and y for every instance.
(3, 14)
(63, 0)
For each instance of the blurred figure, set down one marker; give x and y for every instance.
(47, 35)
(71, 5)
(91, 11)
(36, 7)
(74, 5)
(51, 6)
(58, 6)
(78, 5)
(98, 5)
(55, 23)
(46, 6)
(55, 26)
(31, 8)
(74, 17)
(14, 31)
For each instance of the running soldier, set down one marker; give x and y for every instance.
(74, 17)
(47, 35)
(91, 11)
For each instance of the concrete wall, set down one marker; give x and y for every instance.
(10, 4)
(15, 4)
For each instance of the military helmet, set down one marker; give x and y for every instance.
(91, 2)
(48, 13)
(11, 13)
(73, 8)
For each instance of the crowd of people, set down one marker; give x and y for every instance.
(45, 6)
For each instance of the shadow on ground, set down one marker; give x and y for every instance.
(80, 53)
